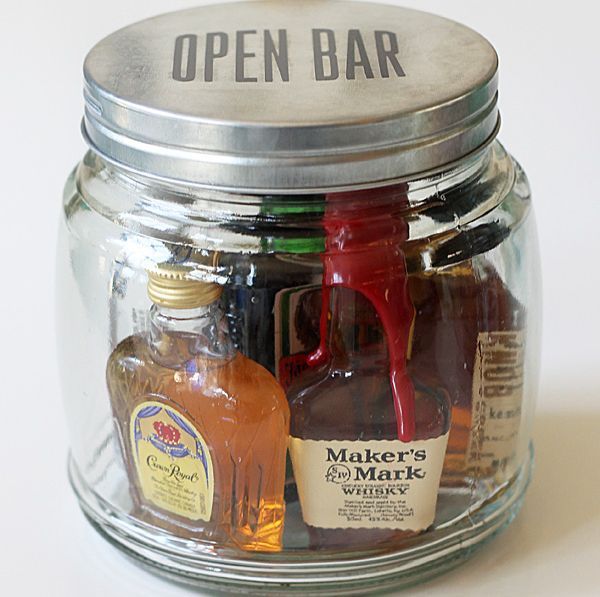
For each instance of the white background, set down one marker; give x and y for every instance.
(550, 64)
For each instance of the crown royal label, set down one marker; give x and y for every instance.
(172, 460)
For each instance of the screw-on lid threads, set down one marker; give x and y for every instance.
(291, 96)
(170, 286)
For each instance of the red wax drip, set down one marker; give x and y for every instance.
(364, 252)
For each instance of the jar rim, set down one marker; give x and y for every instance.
(413, 93)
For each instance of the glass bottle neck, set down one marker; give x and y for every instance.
(356, 338)
(178, 335)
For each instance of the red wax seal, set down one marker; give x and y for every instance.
(365, 236)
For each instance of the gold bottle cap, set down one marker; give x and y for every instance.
(170, 286)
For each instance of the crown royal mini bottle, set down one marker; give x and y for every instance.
(203, 429)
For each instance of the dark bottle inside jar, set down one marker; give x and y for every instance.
(255, 285)
(358, 390)
(349, 398)
(290, 238)
(462, 308)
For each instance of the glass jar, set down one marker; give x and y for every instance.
(298, 285)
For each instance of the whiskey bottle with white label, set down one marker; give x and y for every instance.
(367, 442)
(469, 339)
(203, 429)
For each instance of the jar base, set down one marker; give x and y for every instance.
(430, 555)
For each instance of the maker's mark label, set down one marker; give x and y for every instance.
(368, 484)
(172, 460)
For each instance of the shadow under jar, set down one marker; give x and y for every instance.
(346, 265)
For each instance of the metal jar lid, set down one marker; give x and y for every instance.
(290, 96)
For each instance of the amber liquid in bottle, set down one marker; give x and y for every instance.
(350, 398)
(452, 309)
(236, 406)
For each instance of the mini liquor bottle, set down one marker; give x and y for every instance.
(203, 429)
(469, 339)
(367, 441)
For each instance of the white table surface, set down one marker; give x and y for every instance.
(550, 58)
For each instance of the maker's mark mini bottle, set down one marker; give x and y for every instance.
(203, 429)
(367, 441)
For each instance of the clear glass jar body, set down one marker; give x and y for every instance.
(470, 252)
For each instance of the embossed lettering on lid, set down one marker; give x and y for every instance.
(290, 96)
